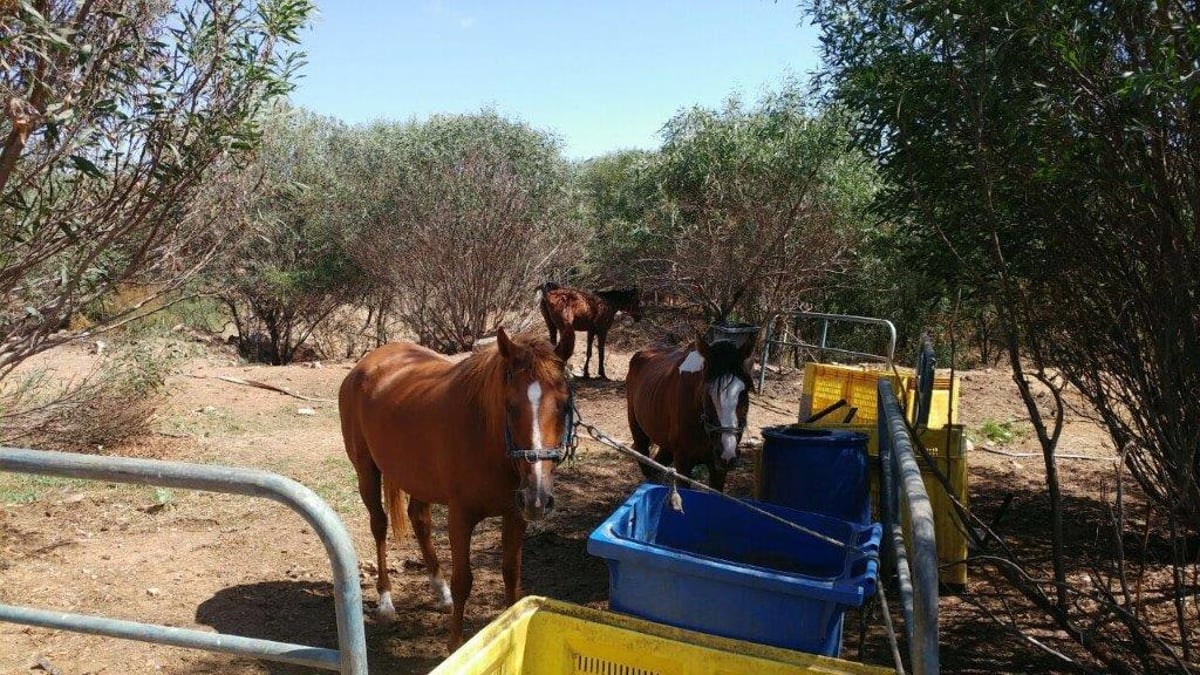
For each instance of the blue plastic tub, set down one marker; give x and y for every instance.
(816, 470)
(722, 569)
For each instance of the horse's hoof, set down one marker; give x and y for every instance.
(386, 613)
(441, 593)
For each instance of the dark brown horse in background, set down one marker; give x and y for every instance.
(692, 403)
(567, 310)
(482, 436)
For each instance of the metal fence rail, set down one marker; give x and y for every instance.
(904, 504)
(769, 338)
(351, 656)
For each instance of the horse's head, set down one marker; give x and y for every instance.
(628, 300)
(727, 386)
(538, 418)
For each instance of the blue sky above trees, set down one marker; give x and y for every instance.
(602, 75)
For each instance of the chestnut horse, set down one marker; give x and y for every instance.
(692, 403)
(567, 310)
(471, 435)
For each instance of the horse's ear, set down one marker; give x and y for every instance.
(746, 354)
(507, 349)
(746, 351)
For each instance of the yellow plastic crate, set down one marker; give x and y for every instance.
(947, 447)
(825, 384)
(546, 637)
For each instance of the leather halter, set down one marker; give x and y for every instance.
(567, 444)
(718, 429)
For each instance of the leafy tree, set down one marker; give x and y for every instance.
(117, 116)
(1042, 157)
(459, 216)
(617, 192)
(759, 205)
(293, 270)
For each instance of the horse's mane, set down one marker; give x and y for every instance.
(481, 375)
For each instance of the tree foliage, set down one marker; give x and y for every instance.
(1042, 157)
(293, 270)
(116, 115)
(761, 205)
(459, 216)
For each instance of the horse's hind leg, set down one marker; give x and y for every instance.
(421, 517)
(511, 539)
(641, 443)
(370, 485)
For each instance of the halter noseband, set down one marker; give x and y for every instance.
(718, 429)
(566, 447)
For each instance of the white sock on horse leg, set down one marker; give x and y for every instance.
(387, 611)
(441, 590)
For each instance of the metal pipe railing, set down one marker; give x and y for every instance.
(823, 346)
(351, 656)
(904, 501)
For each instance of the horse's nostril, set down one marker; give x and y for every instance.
(549, 503)
(520, 501)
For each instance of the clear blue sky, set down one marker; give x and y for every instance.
(602, 75)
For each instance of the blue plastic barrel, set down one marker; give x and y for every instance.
(816, 470)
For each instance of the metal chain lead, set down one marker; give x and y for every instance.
(672, 475)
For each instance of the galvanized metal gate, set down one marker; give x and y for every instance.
(784, 338)
(904, 505)
(351, 656)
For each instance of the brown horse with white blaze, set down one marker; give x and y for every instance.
(567, 310)
(692, 403)
(482, 436)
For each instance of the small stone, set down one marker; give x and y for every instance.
(307, 412)
(153, 592)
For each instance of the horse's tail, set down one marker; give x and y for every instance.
(395, 501)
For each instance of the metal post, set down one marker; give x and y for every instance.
(824, 338)
(351, 656)
(766, 353)
(917, 569)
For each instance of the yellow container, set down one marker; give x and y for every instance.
(824, 384)
(546, 637)
(947, 447)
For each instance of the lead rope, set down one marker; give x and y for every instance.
(677, 500)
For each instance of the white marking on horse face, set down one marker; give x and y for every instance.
(694, 363)
(725, 393)
(535, 408)
(441, 590)
(535, 440)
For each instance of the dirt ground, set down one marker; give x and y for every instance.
(251, 567)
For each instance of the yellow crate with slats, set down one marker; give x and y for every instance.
(546, 637)
(826, 384)
(947, 446)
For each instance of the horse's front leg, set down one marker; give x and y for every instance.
(716, 477)
(511, 539)
(588, 359)
(461, 525)
(600, 340)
